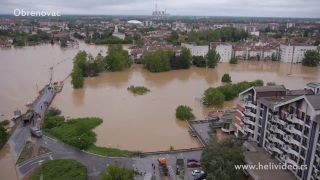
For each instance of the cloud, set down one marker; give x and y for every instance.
(270, 8)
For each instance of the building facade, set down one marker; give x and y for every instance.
(294, 53)
(286, 123)
(224, 50)
(196, 50)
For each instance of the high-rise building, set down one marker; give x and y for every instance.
(286, 123)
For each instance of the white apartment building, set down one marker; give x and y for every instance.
(196, 50)
(286, 123)
(294, 53)
(225, 52)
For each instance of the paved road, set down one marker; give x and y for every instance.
(96, 164)
(22, 132)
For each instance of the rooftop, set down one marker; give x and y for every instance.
(257, 155)
(275, 100)
(313, 84)
(270, 88)
(314, 101)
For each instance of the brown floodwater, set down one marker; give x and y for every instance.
(148, 122)
(7, 163)
(131, 122)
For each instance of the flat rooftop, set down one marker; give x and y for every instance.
(259, 155)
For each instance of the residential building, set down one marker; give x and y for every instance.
(196, 50)
(224, 50)
(294, 53)
(286, 123)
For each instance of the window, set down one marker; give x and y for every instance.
(303, 152)
(306, 131)
(308, 120)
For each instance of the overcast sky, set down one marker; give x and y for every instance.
(261, 8)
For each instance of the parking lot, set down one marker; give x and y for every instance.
(144, 165)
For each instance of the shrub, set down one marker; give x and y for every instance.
(213, 97)
(3, 135)
(139, 90)
(226, 78)
(184, 113)
(199, 61)
(53, 111)
(233, 60)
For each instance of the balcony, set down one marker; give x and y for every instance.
(247, 120)
(273, 148)
(284, 158)
(276, 119)
(316, 174)
(287, 148)
(247, 112)
(274, 139)
(275, 129)
(250, 105)
(289, 139)
(290, 161)
(293, 118)
(291, 129)
(247, 129)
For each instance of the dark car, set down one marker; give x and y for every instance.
(201, 177)
(193, 164)
(192, 160)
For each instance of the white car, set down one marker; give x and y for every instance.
(196, 172)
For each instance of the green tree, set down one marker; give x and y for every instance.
(226, 78)
(3, 135)
(117, 58)
(174, 38)
(77, 77)
(233, 60)
(199, 61)
(184, 113)
(311, 58)
(183, 61)
(212, 58)
(213, 97)
(220, 157)
(157, 61)
(117, 172)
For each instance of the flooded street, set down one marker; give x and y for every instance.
(146, 122)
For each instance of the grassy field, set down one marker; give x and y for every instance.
(111, 152)
(78, 133)
(60, 169)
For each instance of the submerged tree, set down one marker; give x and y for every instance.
(212, 58)
(311, 58)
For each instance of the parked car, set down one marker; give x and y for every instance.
(193, 164)
(192, 160)
(36, 132)
(201, 177)
(197, 172)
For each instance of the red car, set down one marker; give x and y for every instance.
(193, 164)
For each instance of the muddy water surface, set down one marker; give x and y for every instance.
(148, 122)
(131, 122)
